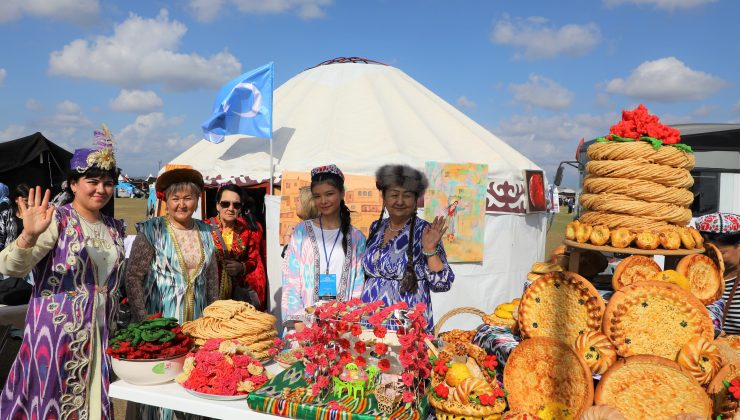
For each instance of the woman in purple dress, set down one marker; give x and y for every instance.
(75, 252)
(404, 259)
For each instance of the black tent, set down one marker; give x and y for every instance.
(33, 160)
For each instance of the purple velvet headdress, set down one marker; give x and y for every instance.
(100, 157)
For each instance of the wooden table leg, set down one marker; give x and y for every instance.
(574, 263)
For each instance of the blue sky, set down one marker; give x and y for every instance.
(539, 74)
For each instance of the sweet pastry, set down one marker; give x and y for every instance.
(687, 239)
(700, 358)
(570, 230)
(541, 370)
(600, 235)
(519, 415)
(705, 280)
(454, 336)
(674, 277)
(601, 412)
(545, 267)
(583, 233)
(711, 251)
(560, 305)
(670, 239)
(698, 238)
(649, 387)
(727, 353)
(655, 318)
(471, 388)
(725, 404)
(633, 269)
(596, 349)
(687, 416)
(533, 276)
(555, 410)
(622, 237)
(647, 240)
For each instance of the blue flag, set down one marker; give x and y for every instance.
(243, 106)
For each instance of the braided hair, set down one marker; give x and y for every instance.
(409, 282)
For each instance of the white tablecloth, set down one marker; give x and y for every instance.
(172, 395)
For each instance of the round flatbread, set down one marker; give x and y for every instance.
(705, 280)
(541, 370)
(560, 305)
(633, 269)
(655, 318)
(650, 387)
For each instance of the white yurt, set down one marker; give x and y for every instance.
(361, 115)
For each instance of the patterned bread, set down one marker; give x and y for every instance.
(711, 251)
(601, 412)
(700, 358)
(724, 404)
(545, 267)
(705, 280)
(541, 370)
(519, 415)
(471, 387)
(633, 269)
(560, 305)
(727, 353)
(596, 349)
(650, 387)
(655, 318)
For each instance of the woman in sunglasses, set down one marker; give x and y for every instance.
(240, 269)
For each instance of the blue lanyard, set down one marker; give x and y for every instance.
(323, 242)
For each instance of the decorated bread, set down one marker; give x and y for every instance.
(583, 233)
(545, 267)
(700, 358)
(670, 239)
(560, 305)
(647, 240)
(633, 269)
(601, 412)
(600, 235)
(727, 353)
(711, 251)
(596, 349)
(654, 318)
(570, 230)
(725, 404)
(705, 280)
(533, 276)
(649, 387)
(519, 415)
(541, 370)
(621, 238)
(687, 239)
(471, 388)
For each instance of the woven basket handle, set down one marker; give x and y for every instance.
(462, 310)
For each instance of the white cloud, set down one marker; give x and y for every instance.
(542, 92)
(539, 40)
(667, 80)
(75, 11)
(149, 139)
(669, 5)
(209, 10)
(138, 101)
(67, 126)
(3, 73)
(143, 51)
(704, 110)
(34, 105)
(464, 102)
(13, 132)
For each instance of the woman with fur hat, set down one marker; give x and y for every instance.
(76, 252)
(405, 259)
(322, 261)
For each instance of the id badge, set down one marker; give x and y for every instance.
(327, 286)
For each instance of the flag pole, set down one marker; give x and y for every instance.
(272, 169)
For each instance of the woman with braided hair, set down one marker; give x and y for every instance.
(404, 259)
(322, 261)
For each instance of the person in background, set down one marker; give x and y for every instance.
(723, 231)
(323, 260)
(305, 209)
(258, 276)
(76, 253)
(172, 266)
(405, 259)
(13, 290)
(237, 252)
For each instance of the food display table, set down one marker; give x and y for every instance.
(671, 256)
(172, 395)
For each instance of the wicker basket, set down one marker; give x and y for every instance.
(452, 410)
(388, 396)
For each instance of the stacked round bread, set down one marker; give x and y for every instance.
(633, 185)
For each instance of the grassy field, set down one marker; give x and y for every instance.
(132, 210)
(556, 234)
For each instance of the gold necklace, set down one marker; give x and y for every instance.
(189, 302)
(97, 240)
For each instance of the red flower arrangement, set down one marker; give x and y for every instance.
(441, 391)
(733, 387)
(381, 349)
(384, 365)
(639, 124)
(222, 367)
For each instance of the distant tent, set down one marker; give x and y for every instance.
(33, 160)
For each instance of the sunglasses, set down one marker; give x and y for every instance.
(226, 204)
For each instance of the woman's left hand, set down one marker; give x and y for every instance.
(433, 234)
(234, 268)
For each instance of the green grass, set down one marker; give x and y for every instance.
(131, 210)
(556, 234)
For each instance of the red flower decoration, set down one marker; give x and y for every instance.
(734, 389)
(639, 123)
(440, 367)
(345, 357)
(490, 362)
(160, 195)
(343, 343)
(487, 399)
(311, 368)
(407, 378)
(356, 330)
(499, 393)
(384, 365)
(361, 362)
(407, 396)
(360, 347)
(381, 349)
(380, 331)
(442, 391)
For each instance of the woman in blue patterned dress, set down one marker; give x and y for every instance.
(404, 259)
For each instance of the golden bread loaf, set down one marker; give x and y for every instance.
(650, 387)
(700, 358)
(601, 412)
(596, 349)
(705, 280)
(633, 269)
(541, 370)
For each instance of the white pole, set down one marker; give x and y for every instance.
(272, 168)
